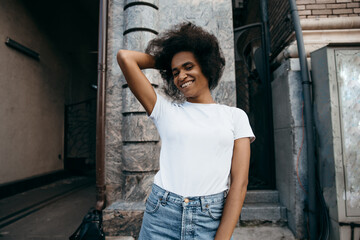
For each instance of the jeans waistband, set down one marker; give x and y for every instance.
(165, 196)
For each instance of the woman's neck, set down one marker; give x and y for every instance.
(201, 99)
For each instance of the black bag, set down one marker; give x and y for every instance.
(90, 228)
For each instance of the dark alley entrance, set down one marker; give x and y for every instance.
(72, 26)
(49, 107)
(253, 91)
(48, 69)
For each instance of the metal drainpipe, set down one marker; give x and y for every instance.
(305, 75)
(100, 110)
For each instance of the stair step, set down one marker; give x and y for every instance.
(262, 196)
(123, 218)
(272, 212)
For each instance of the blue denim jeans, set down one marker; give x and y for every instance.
(170, 216)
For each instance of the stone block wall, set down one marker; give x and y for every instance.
(328, 8)
(290, 144)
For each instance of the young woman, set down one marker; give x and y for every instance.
(205, 145)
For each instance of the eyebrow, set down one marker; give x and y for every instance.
(183, 65)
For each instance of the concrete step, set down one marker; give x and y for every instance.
(260, 213)
(262, 196)
(262, 207)
(123, 218)
(262, 232)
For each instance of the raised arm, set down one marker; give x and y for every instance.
(131, 63)
(239, 181)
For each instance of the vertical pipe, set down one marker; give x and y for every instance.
(312, 208)
(265, 22)
(100, 109)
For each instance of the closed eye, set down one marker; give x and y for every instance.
(188, 67)
(175, 73)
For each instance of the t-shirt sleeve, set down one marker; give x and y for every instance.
(242, 126)
(159, 108)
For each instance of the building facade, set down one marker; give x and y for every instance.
(39, 135)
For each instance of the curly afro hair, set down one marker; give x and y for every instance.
(187, 37)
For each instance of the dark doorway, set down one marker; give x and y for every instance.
(80, 136)
(72, 26)
(252, 94)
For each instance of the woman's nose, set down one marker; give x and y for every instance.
(182, 76)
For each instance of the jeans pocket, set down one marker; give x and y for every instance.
(215, 211)
(152, 204)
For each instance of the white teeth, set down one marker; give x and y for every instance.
(186, 84)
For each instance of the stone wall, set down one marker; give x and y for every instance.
(290, 145)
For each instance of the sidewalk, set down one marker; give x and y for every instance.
(53, 212)
(50, 212)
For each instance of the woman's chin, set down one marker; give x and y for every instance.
(187, 95)
(185, 92)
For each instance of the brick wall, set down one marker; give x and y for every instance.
(328, 8)
(280, 23)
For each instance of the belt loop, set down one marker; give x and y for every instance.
(202, 202)
(164, 198)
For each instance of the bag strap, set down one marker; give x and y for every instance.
(83, 232)
(72, 237)
(79, 232)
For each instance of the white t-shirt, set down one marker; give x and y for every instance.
(197, 145)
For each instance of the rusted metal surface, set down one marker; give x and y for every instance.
(100, 114)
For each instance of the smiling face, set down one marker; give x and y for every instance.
(189, 79)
